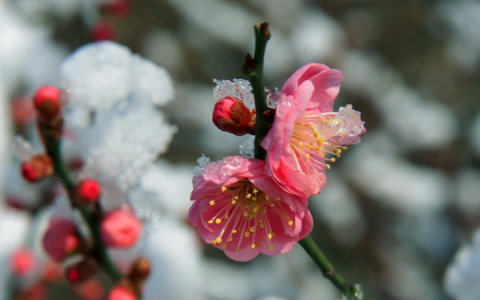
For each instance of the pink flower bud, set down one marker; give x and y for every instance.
(37, 168)
(22, 262)
(120, 229)
(88, 191)
(61, 239)
(47, 102)
(231, 115)
(120, 293)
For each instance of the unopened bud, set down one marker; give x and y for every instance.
(91, 290)
(61, 239)
(81, 271)
(103, 31)
(37, 168)
(121, 293)
(47, 102)
(231, 115)
(140, 269)
(88, 191)
(22, 262)
(120, 229)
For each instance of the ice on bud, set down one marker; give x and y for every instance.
(247, 148)
(348, 121)
(47, 102)
(240, 89)
(22, 262)
(61, 239)
(120, 229)
(37, 168)
(231, 115)
(79, 272)
(21, 148)
(120, 293)
(88, 191)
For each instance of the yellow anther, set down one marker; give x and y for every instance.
(266, 197)
(330, 120)
(311, 146)
(218, 221)
(253, 246)
(218, 240)
(301, 144)
(226, 217)
(255, 191)
(214, 243)
(270, 247)
(236, 249)
(224, 246)
(234, 231)
(290, 222)
(332, 159)
(324, 121)
(252, 229)
(345, 148)
(308, 155)
(212, 202)
(338, 155)
(247, 234)
(233, 202)
(272, 205)
(278, 198)
(249, 196)
(254, 198)
(260, 221)
(210, 222)
(328, 166)
(245, 213)
(263, 211)
(261, 225)
(269, 236)
(315, 133)
(236, 198)
(224, 189)
(324, 154)
(229, 240)
(339, 151)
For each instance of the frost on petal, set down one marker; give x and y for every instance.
(151, 82)
(237, 88)
(97, 76)
(463, 275)
(272, 97)
(247, 148)
(121, 144)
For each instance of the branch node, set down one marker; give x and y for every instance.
(264, 31)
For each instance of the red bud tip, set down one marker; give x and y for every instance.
(231, 115)
(37, 168)
(47, 102)
(89, 191)
(22, 262)
(120, 293)
(103, 31)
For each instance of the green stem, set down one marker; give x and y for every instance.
(99, 251)
(254, 70)
(328, 270)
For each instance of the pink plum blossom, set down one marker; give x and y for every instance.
(306, 134)
(241, 210)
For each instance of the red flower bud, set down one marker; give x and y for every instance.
(121, 293)
(231, 115)
(47, 102)
(119, 8)
(120, 229)
(61, 239)
(22, 262)
(88, 191)
(103, 31)
(140, 269)
(37, 168)
(81, 271)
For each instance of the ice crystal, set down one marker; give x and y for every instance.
(237, 88)
(246, 148)
(21, 148)
(348, 122)
(272, 97)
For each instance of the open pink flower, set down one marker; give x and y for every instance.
(306, 131)
(240, 209)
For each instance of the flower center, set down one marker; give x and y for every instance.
(244, 214)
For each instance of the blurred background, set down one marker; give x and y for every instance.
(396, 208)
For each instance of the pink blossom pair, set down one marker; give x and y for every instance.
(246, 206)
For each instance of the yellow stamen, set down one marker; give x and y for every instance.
(218, 221)
(212, 202)
(224, 189)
